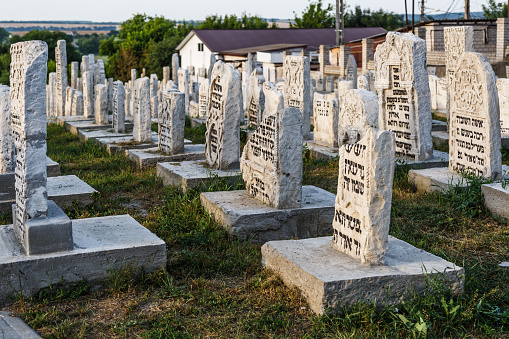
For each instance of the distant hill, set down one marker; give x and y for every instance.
(69, 27)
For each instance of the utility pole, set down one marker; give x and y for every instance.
(413, 16)
(340, 22)
(406, 18)
(467, 9)
(422, 10)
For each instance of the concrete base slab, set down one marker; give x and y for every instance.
(52, 168)
(496, 198)
(94, 134)
(151, 156)
(188, 174)
(439, 159)
(331, 281)
(437, 125)
(320, 152)
(435, 179)
(75, 124)
(15, 328)
(63, 190)
(123, 143)
(101, 245)
(195, 122)
(249, 218)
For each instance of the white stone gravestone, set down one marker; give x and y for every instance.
(172, 122)
(297, 88)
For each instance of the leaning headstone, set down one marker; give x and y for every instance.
(325, 115)
(171, 123)
(141, 111)
(358, 112)
(77, 104)
(74, 74)
(40, 226)
(222, 138)
(203, 100)
(404, 94)
(175, 64)
(474, 141)
(297, 89)
(272, 160)
(88, 95)
(61, 61)
(503, 100)
(7, 155)
(101, 104)
(183, 85)
(255, 99)
(118, 116)
(351, 70)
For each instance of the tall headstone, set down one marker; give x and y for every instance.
(175, 64)
(141, 111)
(41, 227)
(61, 61)
(351, 70)
(171, 123)
(101, 104)
(85, 64)
(404, 94)
(166, 75)
(326, 115)
(364, 196)
(74, 74)
(7, 155)
(212, 62)
(203, 100)
(358, 112)
(128, 100)
(110, 94)
(52, 87)
(88, 94)
(118, 116)
(255, 98)
(222, 138)
(503, 100)
(474, 130)
(297, 89)
(183, 85)
(272, 160)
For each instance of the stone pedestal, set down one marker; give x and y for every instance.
(189, 174)
(52, 168)
(331, 280)
(439, 159)
(151, 156)
(496, 198)
(435, 179)
(94, 134)
(100, 245)
(321, 152)
(249, 218)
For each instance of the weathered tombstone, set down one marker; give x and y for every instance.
(128, 100)
(255, 98)
(183, 85)
(61, 61)
(77, 104)
(118, 116)
(222, 148)
(110, 94)
(329, 85)
(141, 111)
(166, 75)
(74, 74)
(326, 115)
(80, 84)
(175, 64)
(153, 85)
(351, 70)
(297, 89)
(212, 62)
(101, 104)
(343, 87)
(40, 225)
(371, 80)
(274, 100)
(88, 95)
(7, 155)
(52, 84)
(85, 65)
(404, 94)
(272, 160)
(69, 98)
(503, 100)
(91, 60)
(194, 91)
(363, 201)
(194, 109)
(358, 112)
(362, 82)
(204, 98)
(474, 140)
(171, 123)
(97, 74)
(102, 73)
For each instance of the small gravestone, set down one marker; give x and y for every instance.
(166, 74)
(61, 65)
(172, 122)
(325, 115)
(77, 104)
(101, 104)
(194, 109)
(203, 100)
(88, 94)
(69, 98)
(174, 67)
(404, 94)
(212, 62)
(141, 110)
(118, 116)
(128, 99)
(274, 100)
(351, 70)
(183, 85)
(222, 148)
(84, 67)
(153, 94)
(255, 98)
(503, 100)
(272, 160)
(362, 82)
(359, 111)
(297, 88)
(7, 155)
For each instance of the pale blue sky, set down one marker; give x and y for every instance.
(120, 10)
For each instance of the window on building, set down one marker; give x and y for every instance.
(200, 47)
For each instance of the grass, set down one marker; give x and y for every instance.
(215, 286)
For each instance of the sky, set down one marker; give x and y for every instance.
(120, 10)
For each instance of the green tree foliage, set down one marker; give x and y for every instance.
(495, 10)
(4, 35)
(89, 43)
(316, 15)
(367, 18)
(233, 22)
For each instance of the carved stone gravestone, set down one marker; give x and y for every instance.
(174, 67)
(325, 115)
(7, 155)
(274, 100)
(351, 70)
(203, 100)
(404, 94)
(118, 116)
(503, 100)
(88, 94)
(172, 122)
(297, 88)
(183, 85)
(61, 65)
(77, 104)
(255, 98)
(101, 104)
(141, 110)
(74, 74)
(359, 111)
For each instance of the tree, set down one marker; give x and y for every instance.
(316, 16)
(4, 35)
(367, 18)
(51, 39)
(232, 22)
(495, 10)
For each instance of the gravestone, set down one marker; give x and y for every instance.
(274, 100)
(154, 106)
(297, 89)
(358, 112)
(503, 100)
(272, 160)
(7, 155)
(85, 65)
(110, 94)
(351, 70)
(212, 62)
(255, 98)
(174, 67)
(118, 116)
(172, 122)
(102, 73)
(128, 100)
(343, 87)
(474, 125)
(74, 74)
(404, 94)
(362, 82)
(222, 138)
(40, 225)
(329, 84)
(77, 104)
(183, 85)
(141, 110)
(101, 104)
(69, 99)
(88, 94)
(61, 64)
(325, 115)
(194, 109)
(204, 98)
(166, 74)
